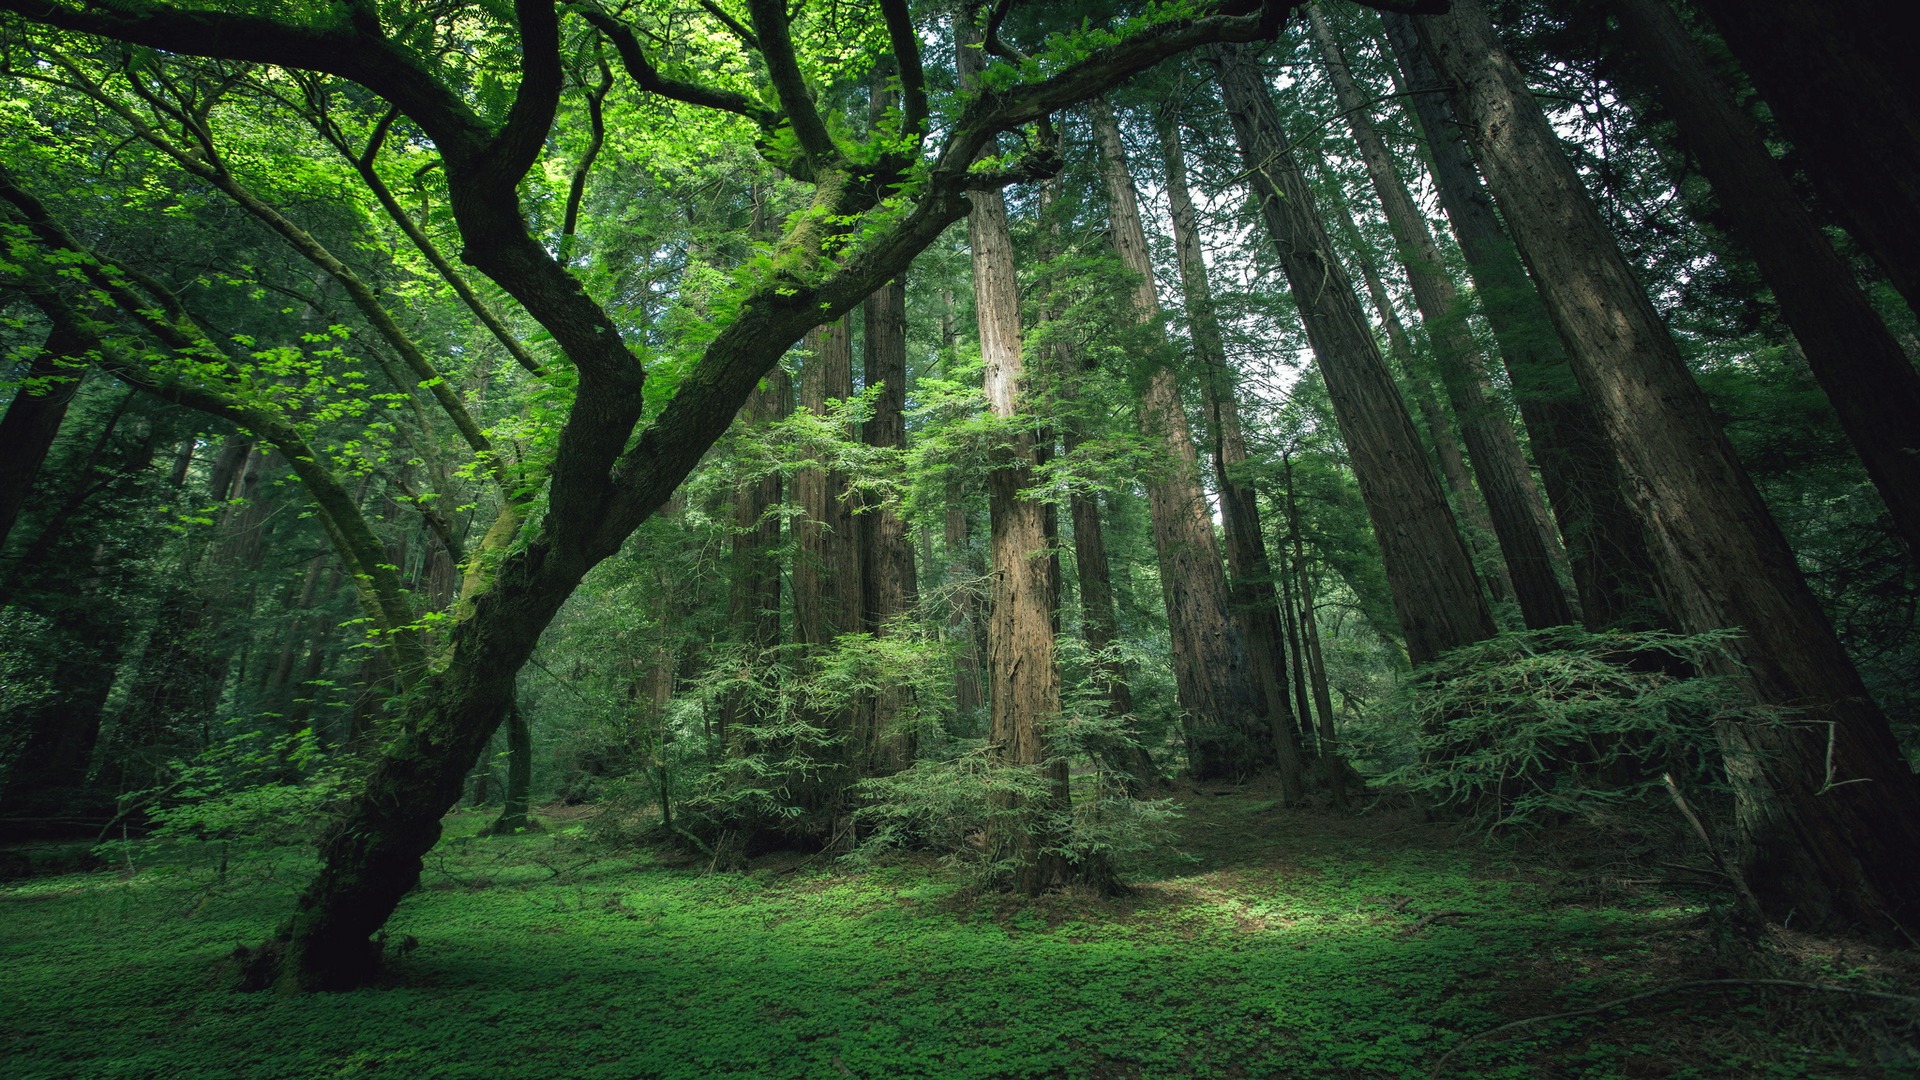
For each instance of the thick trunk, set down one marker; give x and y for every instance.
(1250, 590)
(1435, 593)
(1440, 428)
(1607, 548)
(826, 597)
(753, 603)
(1219, 706)
(1839, 79)
(1874, 388)
(33, 419)
(1828, 813)
(1513, 501)
(885, 548)
(1023, 672)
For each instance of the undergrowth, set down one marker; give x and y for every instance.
(1279, 944)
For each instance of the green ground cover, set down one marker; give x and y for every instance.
(1280, 944)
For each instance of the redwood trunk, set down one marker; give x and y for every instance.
(1023, 673)
(1839, 79)
(1828, 813)
(1435, 593)
(1250, 590)
(886, 551)
(1607, 549)
(1219, 708)
(1874, 388)
(1513, 501)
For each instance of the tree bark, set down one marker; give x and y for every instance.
(1827, 811)
(1519, 516)
(886, 550)
(1250, 589)
(753, 600)
(33, 418)
(1219, 707)
(1874, 388)
(1023, 672)
(1440, 427)
(1436, 595)
(1839, 79)
(1613, 571)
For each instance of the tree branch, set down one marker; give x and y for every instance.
(790, 83)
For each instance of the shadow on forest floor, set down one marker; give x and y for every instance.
(1281, 943)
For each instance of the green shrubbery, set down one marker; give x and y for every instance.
(1559, 721)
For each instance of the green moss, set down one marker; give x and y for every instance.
(539, 958)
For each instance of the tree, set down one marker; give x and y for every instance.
(1828, 814)
(1612, 570)
(615, 460)
(1435, 593)
(1519, 517)
(1210, 666)
(1840, 86)
(1874, 387)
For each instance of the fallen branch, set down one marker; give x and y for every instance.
(1657, 992)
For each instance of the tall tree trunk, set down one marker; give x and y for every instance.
(1250, 589)
(1874, 388)
(1440, 427)
(753, 600)
(1309, 658)
(1435, 592)
(963, 569)
(1023, 672)
(1218, 704)
(33, 418)
(1519, 515)
(1607, 548)
(1839, 79)
(886, 550)
(1828, 813)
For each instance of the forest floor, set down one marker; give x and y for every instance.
(1277, 943)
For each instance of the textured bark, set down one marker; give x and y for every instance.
(1023, 672)
(33, 418)
(1440, 427)
(1839, 79)
(886, 551)
(1519, 515)
(1828, 813)
(826, 575)
(1220, 709)
(1250, 589)
(1613, 571)
(1435, 593)
(753, 600)
(1309, 659)
(1874, 388)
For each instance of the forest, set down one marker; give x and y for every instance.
(959, 538)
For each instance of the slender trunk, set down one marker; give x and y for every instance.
(1874, 388)
(886, 549)
(33, 419)
(1519, 515)
(1435, 592)
(1440, 428)
(1828, 813)
(1337, 770)
(1839, 79)
(1022, 670)
(1607, 548)
(1219, 707)
(513, 809)
(1250, 589)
